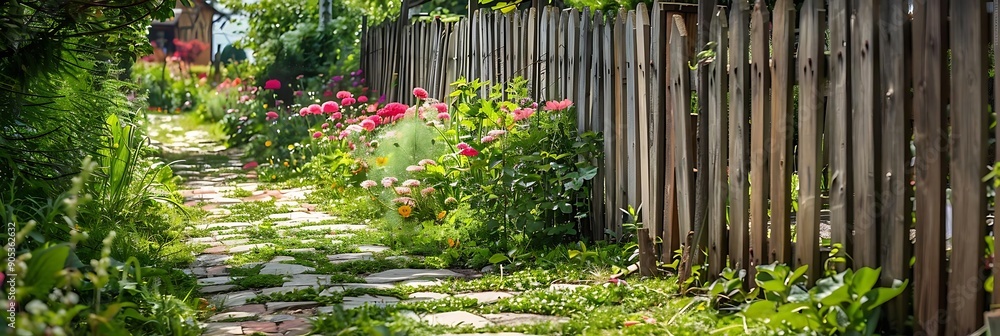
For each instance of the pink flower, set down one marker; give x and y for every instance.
(534, 105)
(368, 184)
(339, 125)
(488, 139)
(298, 93)
(337, 115)
(441, 107)
(347, 101)
(425, 162)
(325, 125)
(420, 93)
(426, 191)
(317, 135)
(354, 128)
(372, 108)
(343, 94)
(362, 99)
(304, 111)
(243, 118)
(411, 183)
(330, 107)
(271, 115)
(554, 105)
(388, 181)
(414, 169)
(444, 116)
(469, 152)
(368, 124)
(402, 190)
(405, 200)
(344, 133)
(273, 84)
(327, 94)
(331, 137)
(392, 109)
(250, 165)
(376, 119)
(315, 109)
(462, 145)
(521, 114)
(496, 133)
(450, 200)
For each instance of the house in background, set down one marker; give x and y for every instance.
(188, 24)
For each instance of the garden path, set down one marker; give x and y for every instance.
(232, 236)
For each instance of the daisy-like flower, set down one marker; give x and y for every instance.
(388, 181)
(414, 169)
(368, 184)
(488, 139)
(402, 190)
(496, 133)
(381, 161)
(405, 200)
(405, 211)
(317, 135)
(426, 162)
(426, 191)
(411, 183)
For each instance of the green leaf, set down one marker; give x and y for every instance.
(43, 267)
(864, 279)
(573, 253)
(498, 258)
(760, 309)
(876, 297)
(794, 278)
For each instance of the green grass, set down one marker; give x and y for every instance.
(259, 281)
(238, 193)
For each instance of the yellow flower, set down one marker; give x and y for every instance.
(381, 161)
(441, 214)
(265, 106)
(286, 163)
(452, 242)
(267, 143)
(405, 211)
(291, 147)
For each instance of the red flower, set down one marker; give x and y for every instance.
(420, 93)
(362, 99)
(273, 84)
(392, 109)
(347, 101)
(330, 107)
(315, 109)
(250, 165)
(327, 93)
(343, 94)
(271, 115)
(469, 151)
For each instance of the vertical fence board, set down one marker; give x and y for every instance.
(739, 136)
(968, 162)
(841, 208)
(759, 137)
(621, 149)
(657, 134)
(552, 69)
(810, 71)
(782, 131)
(680, 95)
(864, 59)
(631, 113)
(996, 103)
(894, 214)
(718, 145)
(571, 55)
(608, 112)
(534, 37)
(642, 118)
(930, 137)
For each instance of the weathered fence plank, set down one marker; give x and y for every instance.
(680, 96)
(613, 188)
(642, 117)
(657, 133)
(631, 113)
(718, 146)
(841, 207)
(760, 119)
(895, 206)
(930, 138)
(739, 137)
(782, 132)
(864, 81)
(621, 150)
(968, 162)
(810, 71)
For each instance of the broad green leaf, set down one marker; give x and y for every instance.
(876, 297)
(43, 267)
(498, 258)
(864, 279)
(760, 309)
(795, 277)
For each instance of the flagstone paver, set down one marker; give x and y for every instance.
(402, 274)
(230, 315)
(345, 257)
(276, 306)
(234, 298)
(456, 318)
(486, 297)
(217, 289)
(285, 269)
(248, 248)
(516, 319)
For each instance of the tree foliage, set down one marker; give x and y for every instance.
(59, 68)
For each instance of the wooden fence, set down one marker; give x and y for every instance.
(848, 87)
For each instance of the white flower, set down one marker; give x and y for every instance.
(36, 307)
(414, 169)
(425, 162)
(411, 183)
(368, 184)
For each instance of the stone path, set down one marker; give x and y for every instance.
(215, 182)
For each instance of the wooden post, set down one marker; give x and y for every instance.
(930, 137)
(810, 72)
(647, 255)
(759, 138)
(718, 146)
(782, 132)
(968, 165)
(841, 208)
(643, 159)
(895, 207)
(739, 137)
(680, 95)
